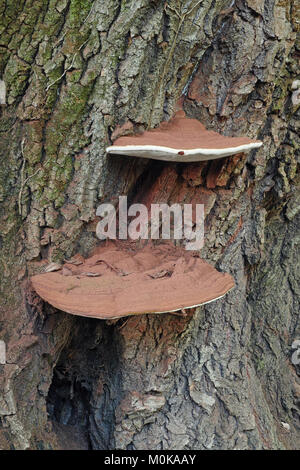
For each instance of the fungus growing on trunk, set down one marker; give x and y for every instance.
(181, 140)
(116, 282)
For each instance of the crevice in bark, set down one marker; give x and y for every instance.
(147, 179)
(86, 386)
(68, 402)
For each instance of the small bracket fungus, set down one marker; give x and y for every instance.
(2, 92)
(2, 352)
(117, 282)
(295, 84)
(296, 93)
(181, 140)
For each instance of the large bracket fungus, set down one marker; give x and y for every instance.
(181, 140)
(117, 282)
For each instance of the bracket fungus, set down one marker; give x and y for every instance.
(117, 282)
(181, 140)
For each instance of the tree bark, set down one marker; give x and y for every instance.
(77, 73)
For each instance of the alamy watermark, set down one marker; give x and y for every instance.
(177, 222)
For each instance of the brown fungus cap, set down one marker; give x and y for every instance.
(117, 282)
(181, 140)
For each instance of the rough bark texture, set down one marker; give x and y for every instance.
(76, 73)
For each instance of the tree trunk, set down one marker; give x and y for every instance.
(77, 73)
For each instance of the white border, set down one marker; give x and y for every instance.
(143, 313)
(167, 153)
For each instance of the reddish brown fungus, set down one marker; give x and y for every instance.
(183, 140)
(117, 282)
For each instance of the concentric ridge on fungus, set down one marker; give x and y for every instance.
(116, 282)
(181, 140)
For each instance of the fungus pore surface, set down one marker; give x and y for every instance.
(181, 140)
(118, 281)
